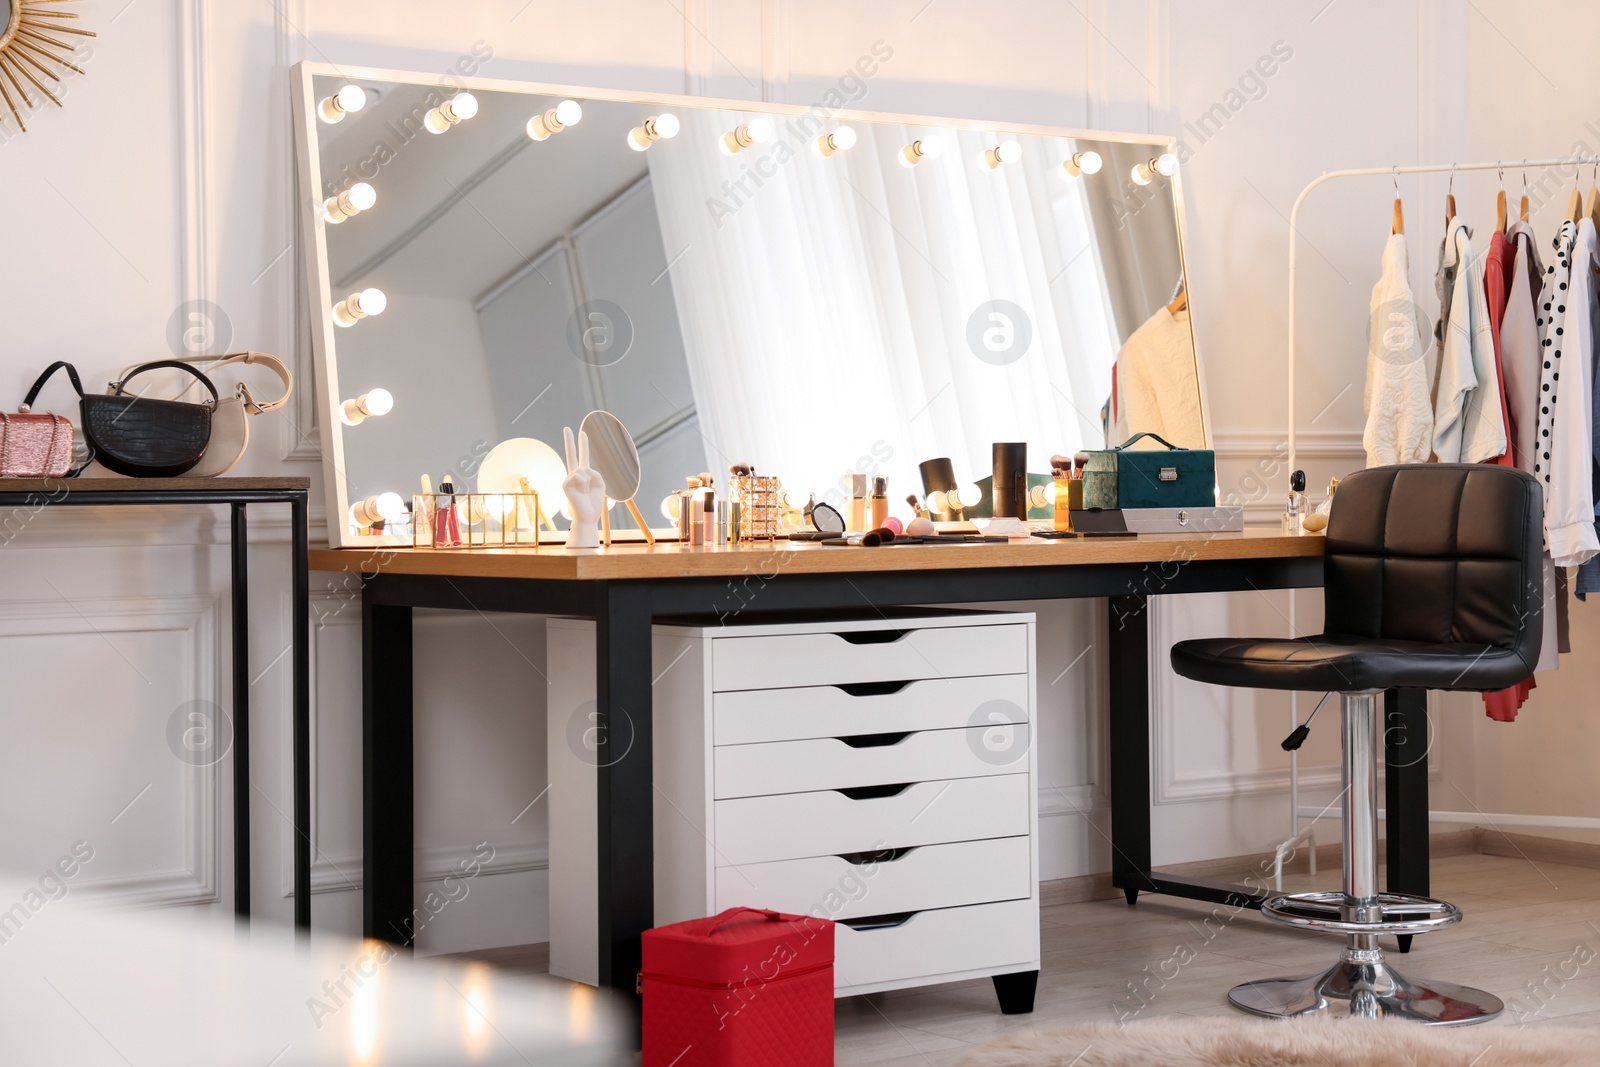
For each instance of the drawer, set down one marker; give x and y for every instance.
(828, 823)
(933, 876)
(748, 716)
(887, 655)
(871, 760)
(999, 937)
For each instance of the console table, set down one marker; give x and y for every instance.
(238, 494)
(625, 587)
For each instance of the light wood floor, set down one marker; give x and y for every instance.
(1531, 935)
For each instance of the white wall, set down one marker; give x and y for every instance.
(168, 178)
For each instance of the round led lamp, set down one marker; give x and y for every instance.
(567, 113)
(459, 108)
(334, 108)
(357, 306)
(353, 201)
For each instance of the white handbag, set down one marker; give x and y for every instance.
(230, 421)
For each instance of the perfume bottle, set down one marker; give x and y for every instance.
(880, 502)
(1061, 473)
(857, 520)
(447, 523)
(1294, 509)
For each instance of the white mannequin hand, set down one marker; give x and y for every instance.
(586, 494)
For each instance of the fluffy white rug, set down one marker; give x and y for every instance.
(1303, 1043)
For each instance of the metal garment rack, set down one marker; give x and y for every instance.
(1296, 835)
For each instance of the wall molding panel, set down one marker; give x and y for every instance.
(194, 618)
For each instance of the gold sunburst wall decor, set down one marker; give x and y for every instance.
(31, 45)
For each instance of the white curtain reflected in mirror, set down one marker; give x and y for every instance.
(738, 293)
(856, 307)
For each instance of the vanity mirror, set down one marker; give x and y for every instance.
(819, 293)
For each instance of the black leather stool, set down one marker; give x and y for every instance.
(1432, 579)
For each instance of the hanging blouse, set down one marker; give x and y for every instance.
(1562, 449)
(1498, 264)
(1519, 360)
(1467, 420)
(1155, 384)
(1399, 413)
(1519, 345)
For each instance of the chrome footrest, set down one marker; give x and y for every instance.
(1400, 913)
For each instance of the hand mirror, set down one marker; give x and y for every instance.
(612, 453)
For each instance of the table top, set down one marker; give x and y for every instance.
(674, 560)
(151, 485)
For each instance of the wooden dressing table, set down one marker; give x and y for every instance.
(625, 587)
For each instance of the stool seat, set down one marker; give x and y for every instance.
(1342, 663)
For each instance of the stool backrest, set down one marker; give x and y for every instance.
(1447, 553)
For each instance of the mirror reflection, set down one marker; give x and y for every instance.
(814, 296)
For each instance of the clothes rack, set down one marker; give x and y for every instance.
(1297, 836)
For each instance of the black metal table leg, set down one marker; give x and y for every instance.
(300, 637)
(1129, 740)
(388, 786)
(626, 826)
(1405, 756)
(239, 546)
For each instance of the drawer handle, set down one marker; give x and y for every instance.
(875, 740)
(875, 792)
(880, 922)
(871, 689)
(873, 637)
(884, 855)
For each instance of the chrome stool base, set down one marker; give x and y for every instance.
(1369, 989)
(1362, 981)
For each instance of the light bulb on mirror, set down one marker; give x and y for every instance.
(841, 140)
(653, 129)
(334, 108)
(918, 150)
(357, 306)
(371, 404)
(938, 502)
(384, 508)
(1004, 152)
(567, 113)
(1082, 163)
(969, 495)
(459, 108)
(757, 131)
(353, 201)
(1166, 165)
(670, 505)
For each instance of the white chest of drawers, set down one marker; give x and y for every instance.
(877, 772)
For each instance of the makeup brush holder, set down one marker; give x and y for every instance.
(475, 520)
(760, 500)
(1010, 480)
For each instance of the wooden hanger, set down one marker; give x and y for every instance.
(1399, 223)
(1500, 203)
(1524, 190)
(1450, 197)
(1179, 302)
(1575, 201)
(1591, 206)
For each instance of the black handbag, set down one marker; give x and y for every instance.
(135, 435)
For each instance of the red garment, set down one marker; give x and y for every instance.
(1498, 264)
